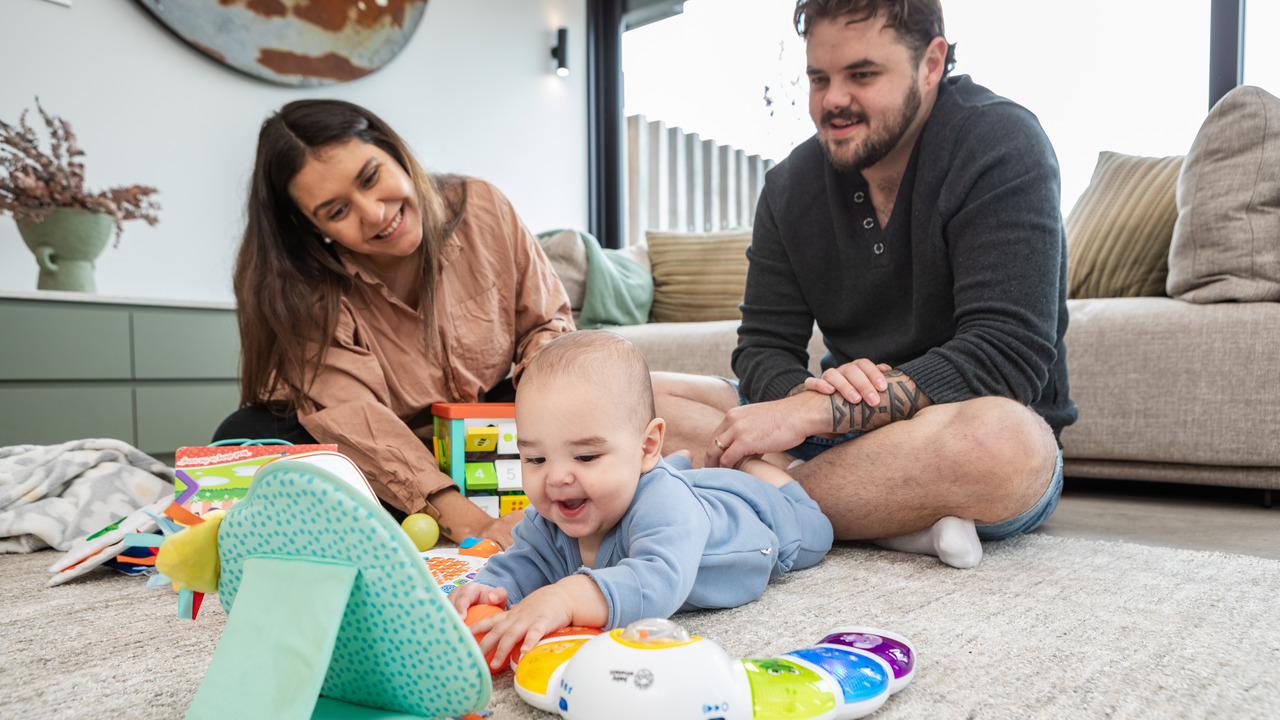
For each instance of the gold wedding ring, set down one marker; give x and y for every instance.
(718, 443)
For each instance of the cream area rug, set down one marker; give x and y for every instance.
(1045, 627)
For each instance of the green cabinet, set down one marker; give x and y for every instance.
(157, 376)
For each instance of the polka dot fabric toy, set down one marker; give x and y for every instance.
(311, 564)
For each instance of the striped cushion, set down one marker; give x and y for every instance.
(698, 276)
(1119, 231)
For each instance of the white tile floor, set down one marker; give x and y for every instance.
(1227, 520)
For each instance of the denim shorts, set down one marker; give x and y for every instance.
(1024, 523)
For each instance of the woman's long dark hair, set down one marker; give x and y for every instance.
(288, 282)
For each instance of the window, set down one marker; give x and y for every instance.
(729, 70)
(1261, 52)
(712, 98)
(1129, 76)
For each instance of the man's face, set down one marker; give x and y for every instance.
(864, 90)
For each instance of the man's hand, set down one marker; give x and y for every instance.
(855, 404)
(856, 381)
(570, 601)
(766, 427)
(856, 397)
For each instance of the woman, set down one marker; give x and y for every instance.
(366, 290)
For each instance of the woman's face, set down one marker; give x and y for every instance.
(361, 198)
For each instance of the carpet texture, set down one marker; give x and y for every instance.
(1045, 627)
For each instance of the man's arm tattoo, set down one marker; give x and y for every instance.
(900, 401)
(904, 396)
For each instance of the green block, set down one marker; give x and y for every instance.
(481, 476)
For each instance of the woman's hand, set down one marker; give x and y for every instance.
(499, 529)
(459, 518)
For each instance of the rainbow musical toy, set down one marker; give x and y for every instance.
(654, 668)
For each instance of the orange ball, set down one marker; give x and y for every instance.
(475, 614)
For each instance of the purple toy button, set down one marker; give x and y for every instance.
(897, 654)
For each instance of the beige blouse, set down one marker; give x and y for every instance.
(498, 302)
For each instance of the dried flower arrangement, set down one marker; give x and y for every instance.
(37, 182)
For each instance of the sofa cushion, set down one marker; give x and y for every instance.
(1226, 244)
(1138, 376)
(698, 276)
(568, 258)
(1118, 233)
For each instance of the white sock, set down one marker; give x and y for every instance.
(953, 540)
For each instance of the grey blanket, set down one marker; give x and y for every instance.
(53, 495)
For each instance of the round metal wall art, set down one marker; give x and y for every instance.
(294, 42)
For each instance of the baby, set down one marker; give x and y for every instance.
(615, 533)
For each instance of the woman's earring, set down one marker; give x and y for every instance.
(327, 240)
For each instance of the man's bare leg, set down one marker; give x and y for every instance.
(988, 459)
(693, 406)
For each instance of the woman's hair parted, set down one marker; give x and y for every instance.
(917, 22)
(287, 281)
(601, 359)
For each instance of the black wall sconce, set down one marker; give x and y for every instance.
(561, 52)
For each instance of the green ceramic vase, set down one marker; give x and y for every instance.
(66, 244)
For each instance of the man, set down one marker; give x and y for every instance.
(920, 229)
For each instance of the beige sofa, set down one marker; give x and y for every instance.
(1168, 390)
(1182, 388)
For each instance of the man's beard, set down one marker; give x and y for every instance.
(847, 156)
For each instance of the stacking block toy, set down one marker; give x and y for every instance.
(654, 669)
(475, 444)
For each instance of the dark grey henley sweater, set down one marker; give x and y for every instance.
(964, 290)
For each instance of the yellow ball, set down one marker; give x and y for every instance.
(422, 530)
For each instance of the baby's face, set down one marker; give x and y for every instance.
(581, 456)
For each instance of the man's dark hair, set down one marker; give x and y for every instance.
(917, 22)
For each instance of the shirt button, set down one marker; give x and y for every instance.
(878, 248)
(868, 223)
(858, 197)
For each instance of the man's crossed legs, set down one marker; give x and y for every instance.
(936, 483)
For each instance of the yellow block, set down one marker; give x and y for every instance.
(481, 439)
(511, 503)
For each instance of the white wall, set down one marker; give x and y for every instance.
(473, 92)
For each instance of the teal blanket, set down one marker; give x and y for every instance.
(618, 290)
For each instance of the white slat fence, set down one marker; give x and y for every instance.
(678, 182)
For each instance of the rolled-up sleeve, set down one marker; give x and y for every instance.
(349, 404)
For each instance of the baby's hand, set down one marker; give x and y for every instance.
(518, 630)
(474, 593)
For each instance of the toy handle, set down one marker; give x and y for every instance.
(246, 442)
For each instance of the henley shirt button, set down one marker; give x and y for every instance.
(879, 248)
(858, 197)
(868, 223)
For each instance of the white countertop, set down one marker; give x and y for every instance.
(96, 299)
